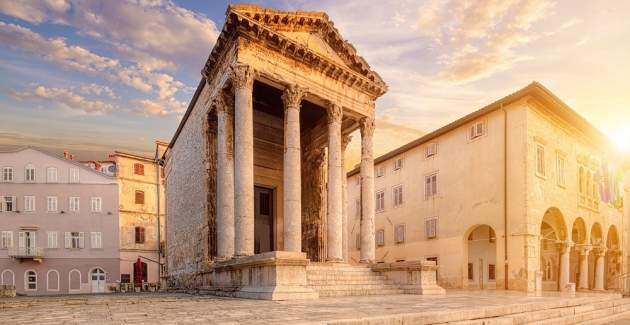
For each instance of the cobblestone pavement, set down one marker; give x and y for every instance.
(165, 308)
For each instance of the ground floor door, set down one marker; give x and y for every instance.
(98, 280)
(263, 220)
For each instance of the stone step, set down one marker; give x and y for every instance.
(378, 286)
(323, 276)
(346, 273)
(348, 282)
(359, 292)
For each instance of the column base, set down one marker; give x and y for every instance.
(366, 261)
(334, 260)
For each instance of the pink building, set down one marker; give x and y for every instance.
(58, 225)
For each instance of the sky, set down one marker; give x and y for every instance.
(94, 76)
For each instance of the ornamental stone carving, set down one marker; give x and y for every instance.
(292, 96)
(243, 76)
(367, 126)
(335, 112)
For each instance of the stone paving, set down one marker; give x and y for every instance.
(166, 308)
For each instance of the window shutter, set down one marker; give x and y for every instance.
(15, 203)
(68, 240)
(21, 239)
(1, 203)
(81, 240)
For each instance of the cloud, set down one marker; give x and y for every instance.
(65, 97)
(98, 90)
(169, 106)
(156, 34)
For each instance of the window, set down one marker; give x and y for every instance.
(477, 130)
(380, 171)
(96, 240)
(29, 173)
(30, 280)
(52, 239)
(73, 175)
(9, 204)
(74, 203)
(560, 169)
(139, 235)
(357, 207)
(540, 160)
(6, 239)
(380, 201)
(29, 203)
(491, 272)
(51, 175)
(431, 150)
(398, 164)
(430, 185)
(95, 204)
(470, 271)
(7, 174)
(139, 197)
(51, 204)
(138, 169)
(430, 227)
(581, 177)
(398, 195)
(74, 240)
(380, 237)
(399, 234)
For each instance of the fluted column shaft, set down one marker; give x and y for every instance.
(225, 178)
(564, 265)
(368, 245)
(599, 270)
(243, 81)
(583, 284)
(335, 185)
(292, 204)
(344, 221)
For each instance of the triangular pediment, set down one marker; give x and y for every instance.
(314, 42)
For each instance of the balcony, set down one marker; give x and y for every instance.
(22, 253)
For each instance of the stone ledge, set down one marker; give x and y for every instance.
(413, 277)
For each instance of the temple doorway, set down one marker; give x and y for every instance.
(263, 220)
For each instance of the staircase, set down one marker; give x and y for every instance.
(339, 279)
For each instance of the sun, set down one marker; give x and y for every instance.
(621, 138)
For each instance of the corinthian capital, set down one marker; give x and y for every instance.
(242, 76)
(292, 96)
(335, 112)
(367, 126)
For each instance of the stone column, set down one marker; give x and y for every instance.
(368, 245)
(243, 81)
(292, 98)
(600, 269)
(345, 140)
(565, 255)
(225, 178)
(334, 200)
(583, 282)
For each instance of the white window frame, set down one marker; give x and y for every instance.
(6, 239)
(8, 174)
(73, 175)
(73, 241)
(431, 150)
(30, 174)
(379, 207)
(53, 240)
(380, 237)
(29, 203)
(477, 130)
(52, 202)
(397, 234)
(5, 203)
(397, 195)
(96, 204)
(561, 169)
(431, 188)
(427, 233)
(541, 161)
(27, 282)
(74, 204)
(380, 171)
(52, 175)
(96, 240)
(398, 163)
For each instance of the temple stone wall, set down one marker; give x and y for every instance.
(314, 204)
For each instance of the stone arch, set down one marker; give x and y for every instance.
(74, 280)
(480, 257)
(596, 237)
(596, 241)
(7, 277)
(579, 237)
(553, 233)
(613, 258)
(52, 278)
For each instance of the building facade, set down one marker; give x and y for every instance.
(521, 194)
(58, 225)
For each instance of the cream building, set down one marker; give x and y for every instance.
(527, 166)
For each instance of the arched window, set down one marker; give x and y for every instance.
(581, 180)
(589, 180)
(7, 277)
(30, 280)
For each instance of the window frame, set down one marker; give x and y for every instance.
(74, 172)
(397, 239)
(380, 171)
(5, 203)
(48, 174)
(96, 201)
(52, 237)
(138, 192)
(380, 237)
(541, 161)
(6, 237)
(139, 235)
(398, 164)
(30, 168)
(431, 153)
(378, 208)
(561, 169)
(96, 240)
(433, 186)
(473, 129)
(48, 204)
(397, 203)
(427, 220)
(74, 204)
(27, 281)
(30, 203)
(8, 174)
(138, 169)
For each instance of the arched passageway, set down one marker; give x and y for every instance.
(596, 258)
(613, 259)
(481, 257)
(554, 251)
(579, 255)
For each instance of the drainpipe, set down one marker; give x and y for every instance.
(505, 199)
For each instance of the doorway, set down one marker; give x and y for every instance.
(263, 219)
(27, 243)
(98, 280)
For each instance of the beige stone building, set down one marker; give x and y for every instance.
(523, 187)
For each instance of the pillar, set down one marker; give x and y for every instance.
(565, 256)
(367, 191)
(334, 211)
(243, 81)
(600, 269)
(225, 178)
(583, 281)
(292, 204)
(345, 140)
